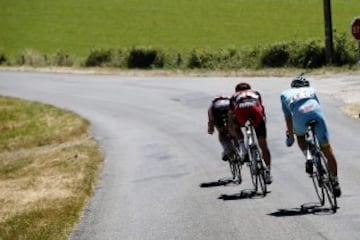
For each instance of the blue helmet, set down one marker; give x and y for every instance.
(300, 81)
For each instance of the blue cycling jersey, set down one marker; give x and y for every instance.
(303, 105)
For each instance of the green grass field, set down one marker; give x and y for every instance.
(79, 26)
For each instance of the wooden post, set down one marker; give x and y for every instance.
(329, 49)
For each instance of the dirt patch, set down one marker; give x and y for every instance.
(352, 110)
(343, 86)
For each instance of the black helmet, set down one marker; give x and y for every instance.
(242, 86)
(300, 81)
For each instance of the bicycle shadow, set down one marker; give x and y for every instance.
(244, 194)
(305, 209)
(218, 183)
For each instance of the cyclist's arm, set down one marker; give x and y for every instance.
(287, 115)
(210, 121)
(289, 125)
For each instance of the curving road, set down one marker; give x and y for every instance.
(161, 168)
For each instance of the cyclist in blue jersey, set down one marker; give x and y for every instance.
(300, 104)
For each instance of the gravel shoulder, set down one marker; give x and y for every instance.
(343, 86)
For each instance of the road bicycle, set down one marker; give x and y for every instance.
(323, 184)
(256, 161)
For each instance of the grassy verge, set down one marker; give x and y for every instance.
(48, 168)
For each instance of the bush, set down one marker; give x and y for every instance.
(216, 59)
(62, 59)
(275, 56)
(307, 55)
(3, 58)
(32, 58)
(310, 54)
(98, 58)
(145, 58)
(119, 58)
(344, 52)
(200, 58)
(250, 57)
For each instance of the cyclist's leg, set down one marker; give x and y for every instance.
(323, 139)
(322, 135)
(224, 140)
(329, 154)
(235, 128)
(301, 142)
(300, 128)
(260, 129)
(261, 134)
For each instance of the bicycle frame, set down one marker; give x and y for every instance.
(320, 176)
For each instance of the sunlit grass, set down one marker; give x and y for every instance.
(79, 26)
(48, 168)
(30, 124)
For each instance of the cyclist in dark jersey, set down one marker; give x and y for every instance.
(217, 119)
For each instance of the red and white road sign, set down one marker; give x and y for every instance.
(355, 28)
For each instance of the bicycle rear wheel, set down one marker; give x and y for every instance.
(253, 168)
(328, 185)
(261, 176)
(235, 166)
(260, 172)
(257, 171)
(235, 169)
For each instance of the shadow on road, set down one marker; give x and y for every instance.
(305, 209)
(220, 182)
(244, 194)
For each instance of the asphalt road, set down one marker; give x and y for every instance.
(160, 179)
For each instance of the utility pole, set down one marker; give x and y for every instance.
(329, 49)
